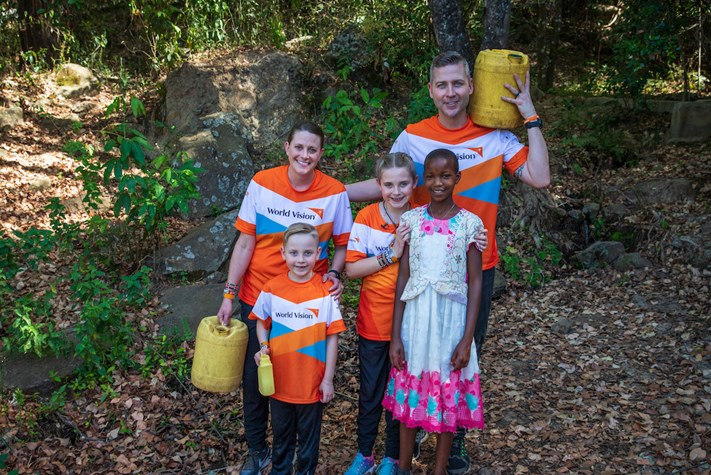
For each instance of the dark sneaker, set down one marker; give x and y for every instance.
(256, 461)
(420, 437)
(459, 462)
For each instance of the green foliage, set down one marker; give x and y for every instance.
(400, 32)
(169, 354)
(164, 183)
(348, 122)
(30, 335)
(647, 42)
(3, 464)
(598, 131)
(421, 106)
(151, 185)
(535, 269)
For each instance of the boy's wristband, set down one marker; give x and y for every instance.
(228, 296)
(335, 273)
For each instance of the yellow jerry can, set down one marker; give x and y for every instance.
(493, 68)
(220, 350)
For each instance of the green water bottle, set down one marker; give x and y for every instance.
(265, 375)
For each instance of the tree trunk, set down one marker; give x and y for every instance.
(449, 28)
(35, 32)
(550, 13)
(496, 24)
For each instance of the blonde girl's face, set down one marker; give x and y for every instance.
(396, 185)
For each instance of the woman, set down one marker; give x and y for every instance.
(276, 198)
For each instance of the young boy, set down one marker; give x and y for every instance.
(298, 322)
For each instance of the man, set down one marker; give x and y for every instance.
(481, 153)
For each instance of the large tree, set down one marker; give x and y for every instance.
(496, 24)
(450, 28)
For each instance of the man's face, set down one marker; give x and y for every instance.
(450, 90)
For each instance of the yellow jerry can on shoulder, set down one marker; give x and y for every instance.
(493, 68)
(220, 350)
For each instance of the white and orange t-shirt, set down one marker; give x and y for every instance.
(482, 152)
(300, 315)
(370, 236)
(271, 204)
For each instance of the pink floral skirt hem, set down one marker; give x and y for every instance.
(434, 405)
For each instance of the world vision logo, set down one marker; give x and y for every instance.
(314, 310)
(318, 211)
(478, 153)
(479, 150)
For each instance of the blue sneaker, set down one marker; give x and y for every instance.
(361, 465)
(387, 467)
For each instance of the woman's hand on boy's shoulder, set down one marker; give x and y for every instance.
(337, 288)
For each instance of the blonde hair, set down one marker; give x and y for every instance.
(300, 228)
(395, 160)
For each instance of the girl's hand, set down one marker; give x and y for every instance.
(397, 354)
(461, 355)
(402, 237)
(258, 355)
(480, 241)
(327, 391)
(337, 288)
(403, 233)
(225, 311)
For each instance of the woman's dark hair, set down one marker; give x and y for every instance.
(443, 153)
(306, 126)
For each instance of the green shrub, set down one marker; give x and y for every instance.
(348, 120)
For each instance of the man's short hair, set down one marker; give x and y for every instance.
(448, 58)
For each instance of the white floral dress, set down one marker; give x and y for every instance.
(427, 393)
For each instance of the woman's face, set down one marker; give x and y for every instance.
(396, 186)
(304, 152)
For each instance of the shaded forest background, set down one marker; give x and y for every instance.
(592, 394)
(631, 46)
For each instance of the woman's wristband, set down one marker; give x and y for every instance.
(335, 273)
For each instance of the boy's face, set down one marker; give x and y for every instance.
(300, 254)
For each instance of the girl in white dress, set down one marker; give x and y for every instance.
(434, 382)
